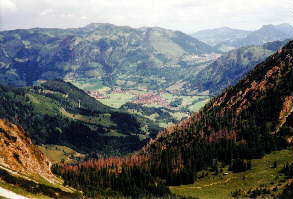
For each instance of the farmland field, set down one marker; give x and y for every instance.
(57, 154)
(88, 84)
(116, 100)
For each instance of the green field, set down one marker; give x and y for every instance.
(57, 153)
(103, 119)
(221, 186)
(197, 106)
(50, 107)
(88, 84)
(179, 115)
(116, 100)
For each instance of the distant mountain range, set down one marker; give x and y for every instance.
(123, 56)
(217, 36)
(225, 39)
(112, 54)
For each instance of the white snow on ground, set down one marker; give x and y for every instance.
(9, 194)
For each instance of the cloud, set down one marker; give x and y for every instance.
(48, 11)
(84, 17)
(7, 6)
(185, 15)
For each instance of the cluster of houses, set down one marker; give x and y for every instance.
(119, 90)
(202, 58)
(146, 98)
(150, 98)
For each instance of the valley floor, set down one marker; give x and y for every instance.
(175, 105)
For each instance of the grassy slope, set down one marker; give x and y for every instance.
(57, 153)
(46, 105)
(117, 100)
(21, 191)
(57, 98)
(221, 186)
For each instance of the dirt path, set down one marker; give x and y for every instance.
(10, 195)
(207, 185)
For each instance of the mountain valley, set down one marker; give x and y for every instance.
(245, 122)
(115, 112)
(129, 68)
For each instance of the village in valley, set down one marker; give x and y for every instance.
(166, 102)
(147, 98)
(173, 101)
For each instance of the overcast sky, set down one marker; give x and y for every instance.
(185, 15)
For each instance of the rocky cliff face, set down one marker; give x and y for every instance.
(17, 153)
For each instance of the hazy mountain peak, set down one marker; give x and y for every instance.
(218, 35)
(97, 25)
(227, 39)
(267, 27)
(285, 28)
(93, 27)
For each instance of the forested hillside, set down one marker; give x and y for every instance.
(244, 122)
(231, 67)
(56, 112)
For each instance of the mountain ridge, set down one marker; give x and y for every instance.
(100, 51)
(225, 39)
(219, 35)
